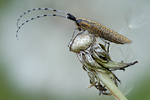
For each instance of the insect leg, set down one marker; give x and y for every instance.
(73, 37)
(74, 32)
(106, 42)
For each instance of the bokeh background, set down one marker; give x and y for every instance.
(40, 66)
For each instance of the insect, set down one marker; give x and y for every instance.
(82, 24)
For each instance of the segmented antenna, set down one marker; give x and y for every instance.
(69, 16)
(50, 9)
(37, 18)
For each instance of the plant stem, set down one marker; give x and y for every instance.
(105, 79)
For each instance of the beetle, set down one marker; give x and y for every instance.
(98, 30)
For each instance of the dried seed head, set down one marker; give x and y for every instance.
(95, 61)
(81, 42)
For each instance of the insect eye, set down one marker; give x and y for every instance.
(78, 22)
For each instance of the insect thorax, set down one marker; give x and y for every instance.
(83, 23)
(91, 26)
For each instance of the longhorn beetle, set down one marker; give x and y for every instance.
(82, 24)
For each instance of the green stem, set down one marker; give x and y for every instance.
(111, 86)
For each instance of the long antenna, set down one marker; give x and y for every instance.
(36, 18)
(69, 16)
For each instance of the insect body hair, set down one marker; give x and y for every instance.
(101, 31)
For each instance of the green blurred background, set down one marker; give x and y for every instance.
(40, 67)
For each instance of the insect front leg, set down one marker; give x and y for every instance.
(74, 32)
(74, 36)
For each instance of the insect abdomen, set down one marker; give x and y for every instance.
(101, 31)
(111, 35)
